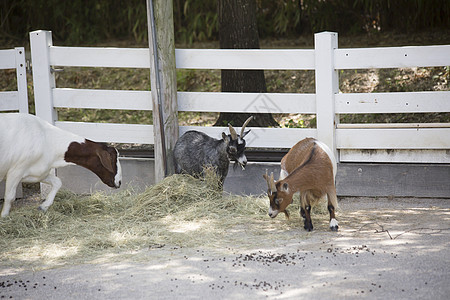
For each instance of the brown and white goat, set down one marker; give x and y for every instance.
(31, 148)
(309, 168)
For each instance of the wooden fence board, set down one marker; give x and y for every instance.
(247, 59)
(261, 137)
(395, 138)
(392, 57)
(102, 99)
(411, 102)
(7, 59)
(247, 102)
(9, 101)
(394, 156)
(99, 57)
(398, 180)
(107, 132)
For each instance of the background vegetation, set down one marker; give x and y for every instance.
(86, 22)
(281, 23)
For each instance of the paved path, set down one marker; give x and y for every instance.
(384, 250)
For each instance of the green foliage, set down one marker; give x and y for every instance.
(196, 21)
(76, 21)
(86, 22)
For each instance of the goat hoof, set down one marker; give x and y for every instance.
(308, 227)
(334, 224)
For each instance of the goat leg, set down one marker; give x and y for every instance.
(55, 184)
(332, 203)
(305, 211)
(12, 181)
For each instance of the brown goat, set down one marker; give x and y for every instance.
(309, 168)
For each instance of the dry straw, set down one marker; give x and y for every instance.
(179, 211)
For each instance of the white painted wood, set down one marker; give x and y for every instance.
(411, 102)
(248, 59)
(397, 138)
(261, 137)
(185, 58)
(7, 59)
(143, 134)
(21, 75)
(395, 156)
(107, 132)
(392, 57)
(101, 99)
(9, 101)
(15, 100)
(187, 101)
(43, 79)
(327, 86)
(100, 57)
(247, 102)
(393, 125)
(414, 143)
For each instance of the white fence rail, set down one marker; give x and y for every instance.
(15, 100)
(353, 142)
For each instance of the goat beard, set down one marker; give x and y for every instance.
(236, 164)
(286, 213)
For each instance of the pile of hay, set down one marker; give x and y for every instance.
(179, 211)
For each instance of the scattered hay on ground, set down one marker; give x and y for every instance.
(179, 211)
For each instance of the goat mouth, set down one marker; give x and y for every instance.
(241, 164)
(238, 163)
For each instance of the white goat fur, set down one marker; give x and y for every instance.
(30, 149)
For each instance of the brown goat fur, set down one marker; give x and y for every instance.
(309, 168)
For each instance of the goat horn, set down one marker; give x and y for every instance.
(272, 183)
(232, 132)
(245, 124)
(267, 176)
(268, 180)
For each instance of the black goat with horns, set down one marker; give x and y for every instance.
(196, 150)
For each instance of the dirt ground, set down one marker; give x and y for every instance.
(385, 248)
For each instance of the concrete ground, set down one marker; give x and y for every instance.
(385, 249)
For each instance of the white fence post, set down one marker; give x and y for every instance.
(43, 78)
(327, 85)
(21, 73)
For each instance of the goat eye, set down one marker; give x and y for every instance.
(232, 150)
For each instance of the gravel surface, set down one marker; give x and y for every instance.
(385, 248)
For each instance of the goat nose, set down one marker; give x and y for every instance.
(270, 214)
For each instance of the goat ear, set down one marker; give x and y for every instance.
(105, 159)
(285, 187)
(245, 133)
(225, 138)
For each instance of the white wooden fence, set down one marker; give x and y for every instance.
(15, 100)
(353, 142)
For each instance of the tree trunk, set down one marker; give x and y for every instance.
(238, 30)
